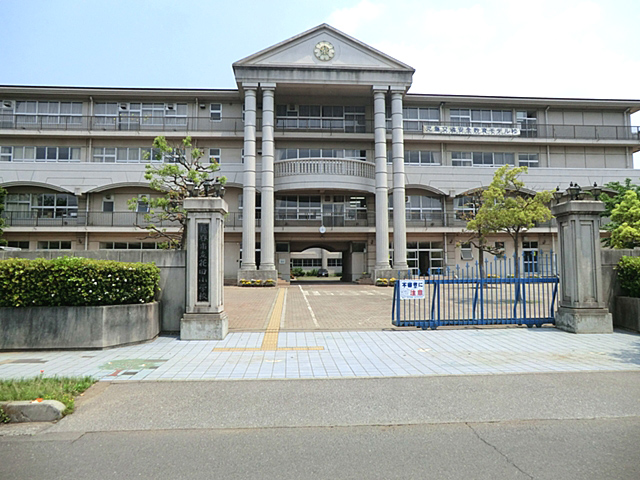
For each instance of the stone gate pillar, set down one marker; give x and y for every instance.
(205, 318)
(581, 303)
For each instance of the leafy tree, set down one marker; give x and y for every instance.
(508, 207)
(611, 201)
(626, 218)
(480, 229)
(3, 194)
(178, 176)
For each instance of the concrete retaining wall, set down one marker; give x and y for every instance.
(610, 283)
(627, 313)
(33, 328)
(172, 275)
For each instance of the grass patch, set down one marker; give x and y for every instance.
(63, 389)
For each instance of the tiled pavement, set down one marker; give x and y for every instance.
(342, 332)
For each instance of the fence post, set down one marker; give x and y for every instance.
(582, 307)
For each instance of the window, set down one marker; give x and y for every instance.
(306, 262)
(334, 262)
(421, 207)
(489, 159)
(42, 205)
(481, 118)
(530, 256)
(107, 203)
(32, 112)
(132, 115)
(54, 245)
(215, 110)
(421, 157)
(465, 207)
(23, 245)
(499, 246)
(143, 203)
(128, 155)
(461, 159)
(345, 118)
(295, 153)
(302, 207)
(128, 245)
(528, 160)
(415, 117)
(481, 159)
(40, 154)
(466, 252)
(214, 155)
(527, 123)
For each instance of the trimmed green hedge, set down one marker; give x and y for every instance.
(629, 275)
(74, 281)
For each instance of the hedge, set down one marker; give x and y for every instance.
(629, 275)
(74, 281)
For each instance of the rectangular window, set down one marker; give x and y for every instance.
(415, 117)
(128, 245)
(528, 160)
(310, 117)
(466, 251)
(41, 154)
(481, 118)
(143, 203)
(461, 159)
(214, 155)
(54, 245)
(47, 113)
(215, 110)
(23, 245)
(334, 262)
(527, 123)
(108, 203)
(421, 157)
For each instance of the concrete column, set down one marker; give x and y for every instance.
(324, 258)
(582, 308)
(249, 187)
(382, 268)
(205, 318)
(397, 153)
(267, 235)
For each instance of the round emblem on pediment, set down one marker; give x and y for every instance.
(324, 51)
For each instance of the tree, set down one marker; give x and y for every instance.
(611, 201)
(507, 207)
(3, 194)
(180, 174)
(626, 218)
(480, 229)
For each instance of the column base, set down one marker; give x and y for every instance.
(384, 272)
(584, 320)
(262, 275)
(204, 326)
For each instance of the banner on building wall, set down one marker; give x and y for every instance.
(453, 130)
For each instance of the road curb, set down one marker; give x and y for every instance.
(27, 411)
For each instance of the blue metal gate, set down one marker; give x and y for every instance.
(467, 296)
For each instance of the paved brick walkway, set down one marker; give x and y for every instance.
(327, 306)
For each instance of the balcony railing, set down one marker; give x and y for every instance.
(529, 130)
(324, 166)
(82, 219)
(282, 218)
(128, 123)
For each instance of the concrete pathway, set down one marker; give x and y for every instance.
(342, 331)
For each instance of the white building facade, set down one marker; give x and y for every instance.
(324, 151)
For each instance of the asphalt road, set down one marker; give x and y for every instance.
(549, 426)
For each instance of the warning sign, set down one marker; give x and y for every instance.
(411, 289)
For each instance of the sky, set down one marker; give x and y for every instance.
(540, 48)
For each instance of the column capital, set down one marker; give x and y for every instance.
(250, 86)
(267, 86)
(380, 88)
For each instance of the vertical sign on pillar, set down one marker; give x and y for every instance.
(203, 262)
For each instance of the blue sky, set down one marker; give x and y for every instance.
(561, 48)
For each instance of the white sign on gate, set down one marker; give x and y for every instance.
(411, 289)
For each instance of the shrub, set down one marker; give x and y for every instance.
(629, 275)
(312, 273)
(70, 281)
(297, 272)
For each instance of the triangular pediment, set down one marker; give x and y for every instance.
(299, 52)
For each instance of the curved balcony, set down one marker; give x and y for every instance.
(334, 173)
